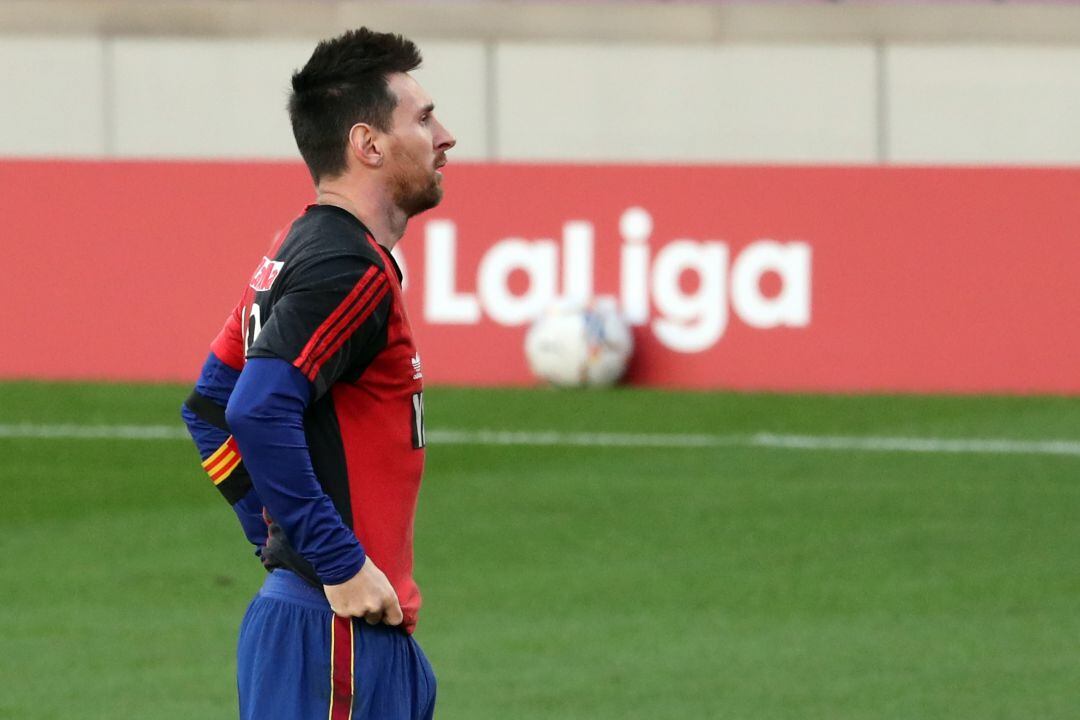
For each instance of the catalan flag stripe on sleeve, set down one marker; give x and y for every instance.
(223, 461)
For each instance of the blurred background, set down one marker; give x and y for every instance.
(953, 83)
(839, 480)
(877, 196)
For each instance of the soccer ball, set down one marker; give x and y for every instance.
(575, 346)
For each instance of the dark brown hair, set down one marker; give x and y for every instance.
(344, 83)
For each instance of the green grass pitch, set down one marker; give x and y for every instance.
(583, 582)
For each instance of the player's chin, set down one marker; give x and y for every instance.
(433, 198)
(424, 201)
(434, 192)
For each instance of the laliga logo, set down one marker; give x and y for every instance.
(687, 322)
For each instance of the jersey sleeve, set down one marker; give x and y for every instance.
(330, 320)
(204, 414)
(266, 414)
(228, 346)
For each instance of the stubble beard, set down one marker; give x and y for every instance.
(415, 190)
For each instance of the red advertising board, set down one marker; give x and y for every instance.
(778, 278)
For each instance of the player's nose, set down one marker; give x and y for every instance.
(443, 139)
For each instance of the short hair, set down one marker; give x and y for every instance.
(344, 83)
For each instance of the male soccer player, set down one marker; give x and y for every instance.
(309, 411)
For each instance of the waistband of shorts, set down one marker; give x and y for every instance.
(286, 585)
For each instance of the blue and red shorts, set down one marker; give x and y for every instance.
(297, 660)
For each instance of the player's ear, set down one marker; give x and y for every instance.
(364, 145)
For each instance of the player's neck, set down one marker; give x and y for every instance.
(382, 218)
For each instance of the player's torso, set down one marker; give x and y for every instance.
(366, 433)
(381, 421)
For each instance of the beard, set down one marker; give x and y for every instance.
(415, 188)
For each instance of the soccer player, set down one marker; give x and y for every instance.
(309, 412)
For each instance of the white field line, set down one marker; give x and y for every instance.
(982, 446)
(93, 432)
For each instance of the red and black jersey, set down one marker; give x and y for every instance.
(327, 299)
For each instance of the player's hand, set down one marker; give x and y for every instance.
(367, 594)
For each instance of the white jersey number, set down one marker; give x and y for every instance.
(418, 439)
(252, 326)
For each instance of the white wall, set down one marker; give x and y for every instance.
(768, 103)
(191, 98)
(51, 97)
(697, 103)
(978, 104)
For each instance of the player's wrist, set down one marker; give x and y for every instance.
(343, 569)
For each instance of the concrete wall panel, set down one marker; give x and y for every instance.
(738, 103)
(604, 102)
(204, 98)
(984, 104)
(52, 97)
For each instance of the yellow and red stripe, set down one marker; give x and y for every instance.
(224, 460)
(341, 668)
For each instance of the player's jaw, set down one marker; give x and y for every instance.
(416, 185)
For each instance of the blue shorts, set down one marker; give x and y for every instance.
(297, 660)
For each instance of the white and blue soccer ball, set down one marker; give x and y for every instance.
(579, 345)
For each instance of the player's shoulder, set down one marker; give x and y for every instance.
(326, 234)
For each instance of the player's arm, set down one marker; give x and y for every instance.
(204, 414)
(331, 319)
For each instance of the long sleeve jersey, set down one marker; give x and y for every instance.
(309, 410)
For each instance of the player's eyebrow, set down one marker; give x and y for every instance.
(427, 108)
